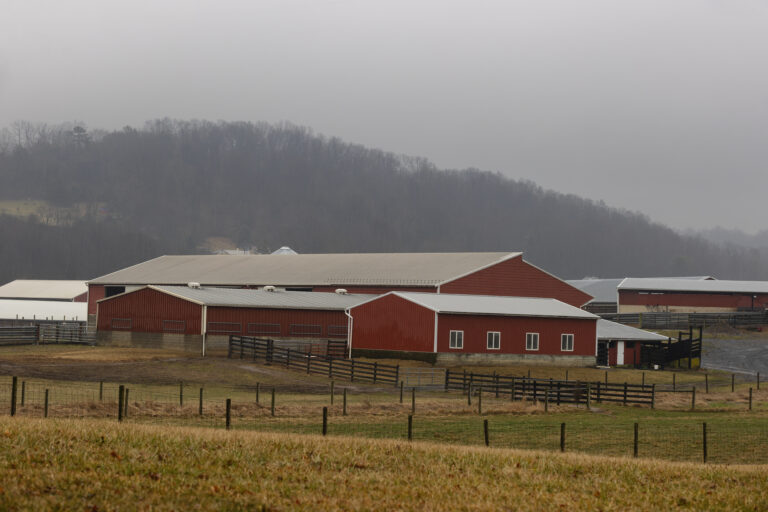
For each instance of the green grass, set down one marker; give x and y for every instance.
(99, 465)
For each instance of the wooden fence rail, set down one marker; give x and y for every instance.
(46, 334)
(265, 350)
(556, 391)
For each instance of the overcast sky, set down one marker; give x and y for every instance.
(656, 106)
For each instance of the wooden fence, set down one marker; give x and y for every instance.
(262, 349)
(64, 333)
(660, 320)
(556, 391)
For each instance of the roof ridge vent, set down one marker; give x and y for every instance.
(193, 284)
(341, 291)
(269, 288)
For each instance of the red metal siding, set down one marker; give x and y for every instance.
(284, 318)
(716, 300)
(516, 278)
(96, 292)
(393, 323)
(83, 297)
(147, 309)
(631, 354)
(513, 331)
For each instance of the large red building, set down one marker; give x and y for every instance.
(474, 328)
(202, 319)
(485, 273)
(640, 295)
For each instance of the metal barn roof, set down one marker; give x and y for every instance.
(605, 290)
(43, 310)
(494, 305)
(401, 269)
(607, 330)
(30, 289)
(687, 285)
(278, 299)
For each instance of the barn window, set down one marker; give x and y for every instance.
(566, 342)
(493, 340)
(174, 325)
(224, 328)
(305, 330)
(121, 323)
(457, 339)
(337, 331)
(532, 341)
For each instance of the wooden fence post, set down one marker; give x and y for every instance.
(653, 396)
(23, 391)
(332, 383)
(330, 367)
(325, 420)
(589, 396)
(120, 397)
(447, 374)
(566, 375)
(352, 372)
(309, 362)
(200, 408)
(706, 383)
(401, 391)
(643, 379)
(397, 374)
(14, 383)
(562, 437)
(469, 395)
(413, 400)
(257, 393)
(485, 432)
(410, 427)
(750, 399)
(181, 393)
(229, 413)
(273, 401)
(344, 407)
(101, 391)
(375, 371)
(625, 394)
(704, 440)
(674, 382)
(636, 442)
(513, 393)
(693, 398)
(546, 400)
(599, 398)
(45, 407)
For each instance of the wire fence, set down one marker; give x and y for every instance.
(444, 417)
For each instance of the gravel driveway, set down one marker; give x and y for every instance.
(738, 356)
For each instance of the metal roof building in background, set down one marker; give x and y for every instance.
(695, 286)
(51, 310)
(47, 290)
(641, 295)
(404, 269)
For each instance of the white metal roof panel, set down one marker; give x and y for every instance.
(402, 269)
(43, 289)
(603, 290)
(43, 310)
(697, 286)
(494, 305)
(607, 330)
(278, 299)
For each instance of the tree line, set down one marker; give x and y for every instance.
(169, 185)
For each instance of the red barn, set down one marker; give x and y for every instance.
(482, 273)
(640, 295)
(451, 328)
(202, 319)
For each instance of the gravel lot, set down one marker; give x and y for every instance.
(736, 355)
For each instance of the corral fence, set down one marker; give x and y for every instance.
(63, 333)
(554, 391)
(659, 320)
(260, 349)
(423, 378)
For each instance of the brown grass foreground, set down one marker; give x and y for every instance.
(97, 465)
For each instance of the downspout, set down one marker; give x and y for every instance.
(350, 324)
(204, 325)
(434, 349)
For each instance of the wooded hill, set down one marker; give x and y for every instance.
(171, 185)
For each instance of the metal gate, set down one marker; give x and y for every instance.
(423, 378)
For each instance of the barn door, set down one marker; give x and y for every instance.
(602, 353)
(619, 353)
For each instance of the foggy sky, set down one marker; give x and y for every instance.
(656, 106)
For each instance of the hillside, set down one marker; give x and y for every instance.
(173, 185)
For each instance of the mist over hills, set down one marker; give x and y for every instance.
(107, 200)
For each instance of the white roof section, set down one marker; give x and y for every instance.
(31, 289)
(284, 250)
(278, 299)
(693, 286)
(43, 310)
(384, 269)
(494, 305)
(607, 330)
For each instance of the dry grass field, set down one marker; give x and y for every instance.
(100, 465)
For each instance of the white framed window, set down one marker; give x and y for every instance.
(493, 340)
(566, 342)
(532, 341)
(457, 339)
